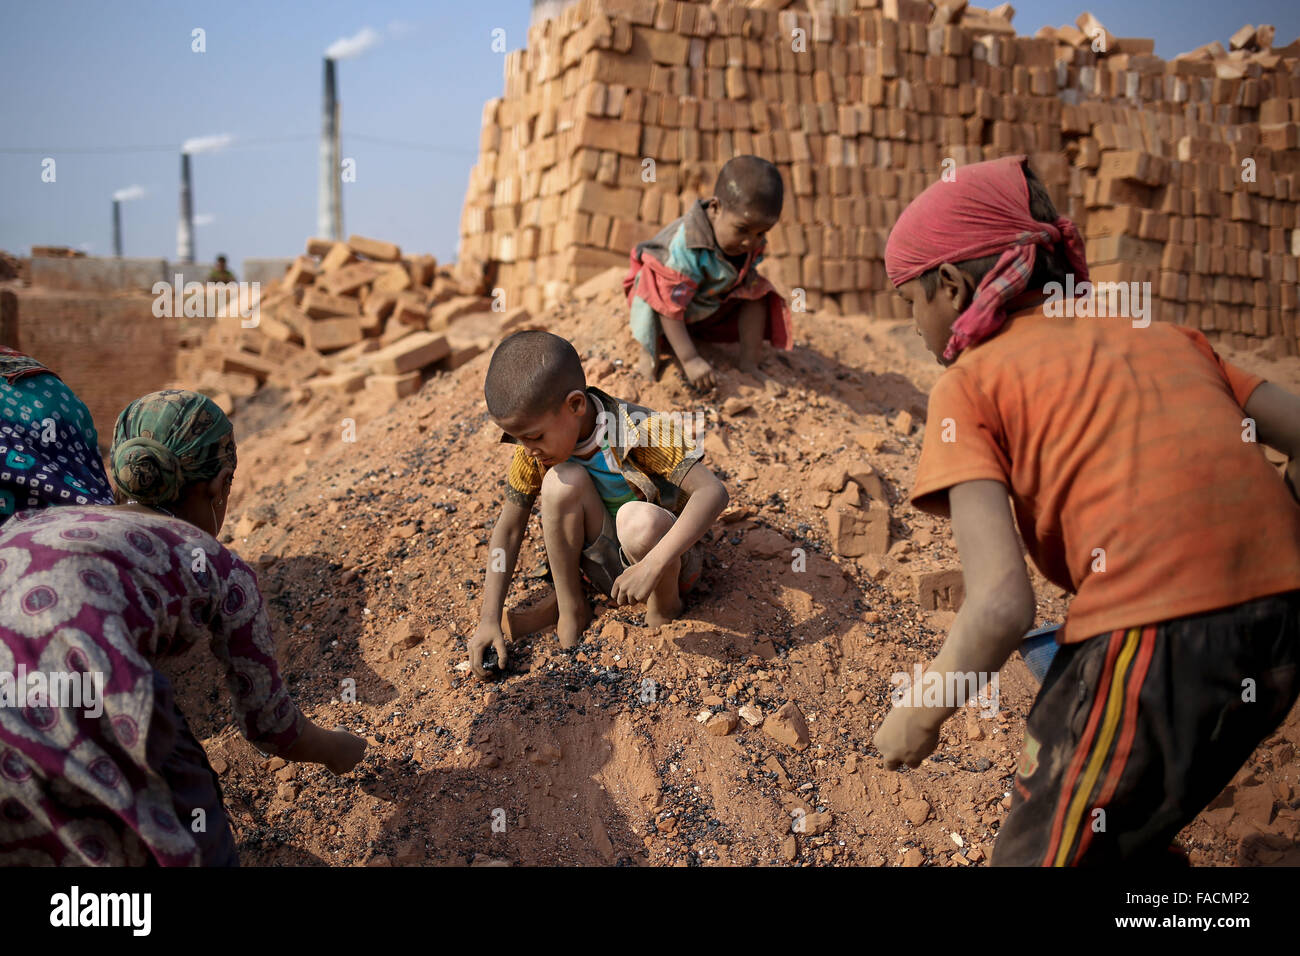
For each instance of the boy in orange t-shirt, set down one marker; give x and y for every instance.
(1128, 449)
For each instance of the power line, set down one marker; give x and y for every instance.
(399, 144)
(237, 144)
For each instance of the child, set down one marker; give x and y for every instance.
(698, 278)
(1137, 485)
(624, 498)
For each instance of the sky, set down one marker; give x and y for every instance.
(109, 90)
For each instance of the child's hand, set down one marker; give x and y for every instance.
(636, 584)
(487, 635)
(699, 372)
(344, 751)
(907, 736)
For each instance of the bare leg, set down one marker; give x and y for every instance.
(647, 366)
(640, 526)
(572, 517)
(751, 324)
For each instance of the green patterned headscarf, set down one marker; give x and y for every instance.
(166, 440)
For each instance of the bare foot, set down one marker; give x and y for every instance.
(750, 367)
(657, 613)
(699, 373)
(570, 630)
(646, 365)
(522, 621)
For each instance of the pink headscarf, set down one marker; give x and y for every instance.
(982, 212)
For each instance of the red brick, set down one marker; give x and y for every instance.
(415, 351)
(319, 305)
(327, 335)
(375, 249)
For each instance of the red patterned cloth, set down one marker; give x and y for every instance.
(983, 211)
(102, 593)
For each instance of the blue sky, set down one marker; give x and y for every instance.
(114, 76)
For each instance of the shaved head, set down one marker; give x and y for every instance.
(749, 184)
(531, 372)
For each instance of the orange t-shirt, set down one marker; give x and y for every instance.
(1128, 440)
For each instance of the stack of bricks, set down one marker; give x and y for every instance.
(346, 316)
(619, 113)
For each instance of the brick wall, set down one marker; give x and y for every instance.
(1182, 173)
(108, 349)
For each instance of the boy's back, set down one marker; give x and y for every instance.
(1128, 440)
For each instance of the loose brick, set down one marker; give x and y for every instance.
(331, 334)
(940, 590)
(395, 387)
(394, 278)
(302, 272)
(375, 249)
(415, 351)
(338, 256)
(319, 305)
(349, 280)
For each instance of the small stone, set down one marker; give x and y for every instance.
(219, 764)
(856, 696)
(287, 792)
(787, 725)
(720, 725)
(403, 531)
(815, 824)
(903, 423)
(913, 857)
(402, 636)
(916, 811)
(736, 406)
(275, 763)
(751, 715)
(790, 849)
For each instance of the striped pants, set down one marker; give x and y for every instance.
(1133, 733)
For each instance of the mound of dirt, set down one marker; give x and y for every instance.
(369, 524)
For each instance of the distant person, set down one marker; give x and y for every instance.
(625, 499)
(220, 273)
(698, 278)
(1122, 453)
(116, 778)
(49, 450)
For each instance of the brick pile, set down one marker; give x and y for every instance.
(347, 316)
(619, 113)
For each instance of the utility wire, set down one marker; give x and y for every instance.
(238, 144)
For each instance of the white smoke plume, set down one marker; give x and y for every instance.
(347, 48)
(129, 193)
(207, 144)
(204, 219)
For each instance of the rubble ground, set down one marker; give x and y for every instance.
(368, 521)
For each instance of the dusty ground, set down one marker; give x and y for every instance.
(565, 760)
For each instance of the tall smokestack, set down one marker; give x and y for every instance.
(185, 228)
(329, 206)
(117, 228)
